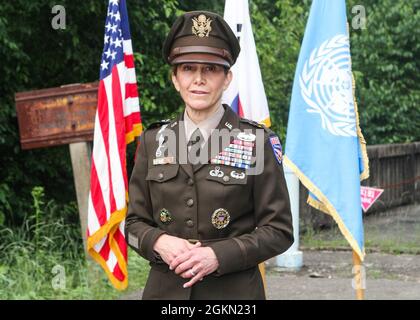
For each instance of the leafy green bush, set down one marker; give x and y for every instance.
(49, 239)
(35, 56)
(386, 64)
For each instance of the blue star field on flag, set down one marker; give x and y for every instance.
(116, 31)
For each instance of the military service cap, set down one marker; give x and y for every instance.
(202, 37)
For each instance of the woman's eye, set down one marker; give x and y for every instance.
(186, 68)
(211, 68)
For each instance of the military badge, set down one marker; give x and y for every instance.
(237, 176)
(164, 160)
(246, 136)
(220, 218)
(217, 172)
(277, 149)
(228, 125)
(201, 26)
(165, 216)
(239, 153)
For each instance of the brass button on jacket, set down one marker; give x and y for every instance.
(244, 220)
(243, 217)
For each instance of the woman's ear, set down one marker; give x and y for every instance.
(175, 82)
(228, 80)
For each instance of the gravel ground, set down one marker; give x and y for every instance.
(327, 275)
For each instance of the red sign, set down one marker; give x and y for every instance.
(369, 196)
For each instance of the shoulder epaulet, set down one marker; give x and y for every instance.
(256, 124)
(158, 123)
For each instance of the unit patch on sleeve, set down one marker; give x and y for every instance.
(277, 149)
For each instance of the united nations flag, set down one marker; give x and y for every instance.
(324, 144)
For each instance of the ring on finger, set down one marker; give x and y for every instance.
(192, 272)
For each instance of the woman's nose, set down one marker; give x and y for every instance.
(198, 78)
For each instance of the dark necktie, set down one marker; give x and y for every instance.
(194, 144)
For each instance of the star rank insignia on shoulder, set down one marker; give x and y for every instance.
(159, 123)
(254, 123)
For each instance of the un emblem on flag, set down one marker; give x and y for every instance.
(326, 85)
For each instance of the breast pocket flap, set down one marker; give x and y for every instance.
(162, 173)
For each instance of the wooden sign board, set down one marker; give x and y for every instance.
(56, 116)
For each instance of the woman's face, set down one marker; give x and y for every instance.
(201, 85)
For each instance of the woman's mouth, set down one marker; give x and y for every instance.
(199, 92)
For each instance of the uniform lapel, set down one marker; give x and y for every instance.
(178, 127)
(229, 121)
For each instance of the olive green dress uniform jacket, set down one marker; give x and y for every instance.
(260, 224)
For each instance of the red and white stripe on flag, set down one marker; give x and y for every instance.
(117, 123)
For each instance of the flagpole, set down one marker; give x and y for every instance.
(292, 259)
(261, 267)
(358, 281)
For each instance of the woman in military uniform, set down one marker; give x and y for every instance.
(204, 209)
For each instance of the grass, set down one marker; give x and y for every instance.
(44, 259)
(30, 277)
(321, 240)
(48, 244)
(392, 239)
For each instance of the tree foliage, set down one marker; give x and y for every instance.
(386, 65)
(34, 56)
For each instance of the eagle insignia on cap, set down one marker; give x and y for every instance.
(201, 26)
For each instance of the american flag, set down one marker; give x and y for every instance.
(117, 123)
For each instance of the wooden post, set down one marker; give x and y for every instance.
(57, 116)
(80, 153)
